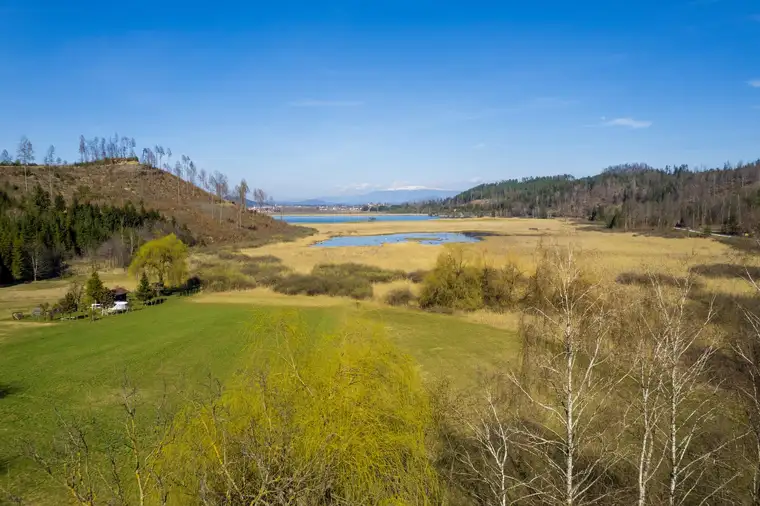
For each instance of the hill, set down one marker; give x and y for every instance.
(627, 196)
(209, 220)
(400, 196)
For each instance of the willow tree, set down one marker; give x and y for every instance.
(164, 260)
(312, 415)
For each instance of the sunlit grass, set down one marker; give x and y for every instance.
(514, 241)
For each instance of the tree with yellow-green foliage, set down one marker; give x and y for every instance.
(164, 260)
(315, 418)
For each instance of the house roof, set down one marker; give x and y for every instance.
(119, 290)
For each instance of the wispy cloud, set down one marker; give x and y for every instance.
(479, 145)
(627, 122)
(755, 83)
(325, 103)
(755, 17)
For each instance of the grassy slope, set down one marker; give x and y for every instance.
(130, 181)
(78, 367)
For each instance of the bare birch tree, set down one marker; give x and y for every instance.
(178, 173)
(567, 346)
(242, 193)
(25, 154)
(747, 350)
(221, 188)
(690, 398)
(192, 173)
(489, 462)
(260, 197)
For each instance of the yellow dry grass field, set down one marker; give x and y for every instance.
(515, 240)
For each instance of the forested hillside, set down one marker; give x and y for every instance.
(107, 204)
(627, 196)
(37, 234)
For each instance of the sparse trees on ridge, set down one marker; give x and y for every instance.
(191, 174)
(25, 153)
(5, 157)
(222, 188)
(178, 173)
(242, 194)
(260, 197)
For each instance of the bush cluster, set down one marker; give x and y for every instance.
(236, 271)
(325, 284)
(456, 285)
(338, 280)
(399, 297)
(353, 270)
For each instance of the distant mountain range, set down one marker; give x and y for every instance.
(399, 196)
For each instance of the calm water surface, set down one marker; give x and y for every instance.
(431, 238)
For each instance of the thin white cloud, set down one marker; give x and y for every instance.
(755, 83)
(479, 145)
(627, 122)
(326, 103)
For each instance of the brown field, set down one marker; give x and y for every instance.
(515, 240)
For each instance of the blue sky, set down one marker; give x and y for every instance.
(310, 98)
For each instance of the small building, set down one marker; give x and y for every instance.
(119, 293)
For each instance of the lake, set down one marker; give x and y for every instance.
(349, 218)
(432, 238)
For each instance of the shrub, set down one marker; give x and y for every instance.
(417, 276)
(232, 255)
(223, 278)
(94, 287)
(500, 286)
(264, 259)
(71, 301)
(368, 272)
(399, 297)
(452, 284)
(312, 284)
(144, 291)
(239, 271)
(264, 273)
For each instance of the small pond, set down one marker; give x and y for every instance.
(431, 238)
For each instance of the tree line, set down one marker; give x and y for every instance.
(628, 196)
(38, 232)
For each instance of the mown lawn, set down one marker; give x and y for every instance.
(75, 370)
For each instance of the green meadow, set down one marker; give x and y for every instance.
(173, 353)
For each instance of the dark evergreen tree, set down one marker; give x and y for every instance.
(144, 290)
